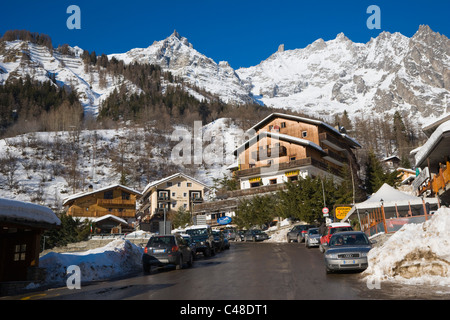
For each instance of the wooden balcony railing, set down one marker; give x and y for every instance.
(116, 202)
(126, 213)
(439, 181)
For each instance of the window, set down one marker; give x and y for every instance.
(179, 184)
(20, 252)
(108, 195)
(283, 125)
(189, 184)
(270, 127)
(125, 196)
(291, 158)
(304, 134)
(273, 181)
(185, 194)
(173, 194)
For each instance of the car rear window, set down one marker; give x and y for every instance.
(161, 241)
(340, 229)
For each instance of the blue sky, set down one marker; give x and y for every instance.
(242, 32)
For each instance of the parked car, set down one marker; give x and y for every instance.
(312, 238)
(226, 243)
(219, 240)
(191, 243)
(298, 233)
(230, 234)
(331, 229)
(203, 238)
(240, 235)
(255, 235)
(347, 251)
(166, 250)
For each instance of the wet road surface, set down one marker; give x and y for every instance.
(248, 271)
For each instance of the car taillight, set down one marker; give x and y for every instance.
(174, 248)
(304, 231)
(145, 250)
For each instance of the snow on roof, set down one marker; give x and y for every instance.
(279, 136)
(179, 174)
(107, 216)
(306, 120)
(83, 194)
(26, 211)
(431, 143)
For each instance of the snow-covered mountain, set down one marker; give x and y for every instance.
(177, 55)
(21, 58)
(391, 72)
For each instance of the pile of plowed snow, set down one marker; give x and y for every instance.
(416, 254)
(119, 257)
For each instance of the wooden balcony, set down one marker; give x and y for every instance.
(288, 165)
(116, 202)
(126, 213)
(330, 141)
(440, 182)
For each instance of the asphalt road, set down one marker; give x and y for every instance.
(248, 271)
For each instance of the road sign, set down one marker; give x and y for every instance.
(341, 212)
(224, 220)
(325, 210)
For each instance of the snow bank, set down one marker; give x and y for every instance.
(416, 254)
(117, 258)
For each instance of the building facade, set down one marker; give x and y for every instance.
(285, 148)
(169, 194)
(117, 200)
(433, 162)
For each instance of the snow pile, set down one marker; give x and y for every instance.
(416, 254)
(119, 257)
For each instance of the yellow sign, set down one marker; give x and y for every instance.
(252, 180)
(292, 173)
(341, 212)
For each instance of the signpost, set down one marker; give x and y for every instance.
(325, 211)
(341, 212)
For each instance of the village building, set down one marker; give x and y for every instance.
(113, 201)
(21, 227)
(168, 195)
(433, 162)
(286, 148)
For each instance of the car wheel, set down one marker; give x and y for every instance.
(147, 268)
(191, 260)
(179, 264)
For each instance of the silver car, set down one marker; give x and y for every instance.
(312, 238)
(347, 251)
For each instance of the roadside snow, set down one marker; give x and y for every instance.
(119, 257)
(416, 254)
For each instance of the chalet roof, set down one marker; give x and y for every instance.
(279, 136)
(84, 194)
(25, 213)
(176, 175)
(353, 143)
